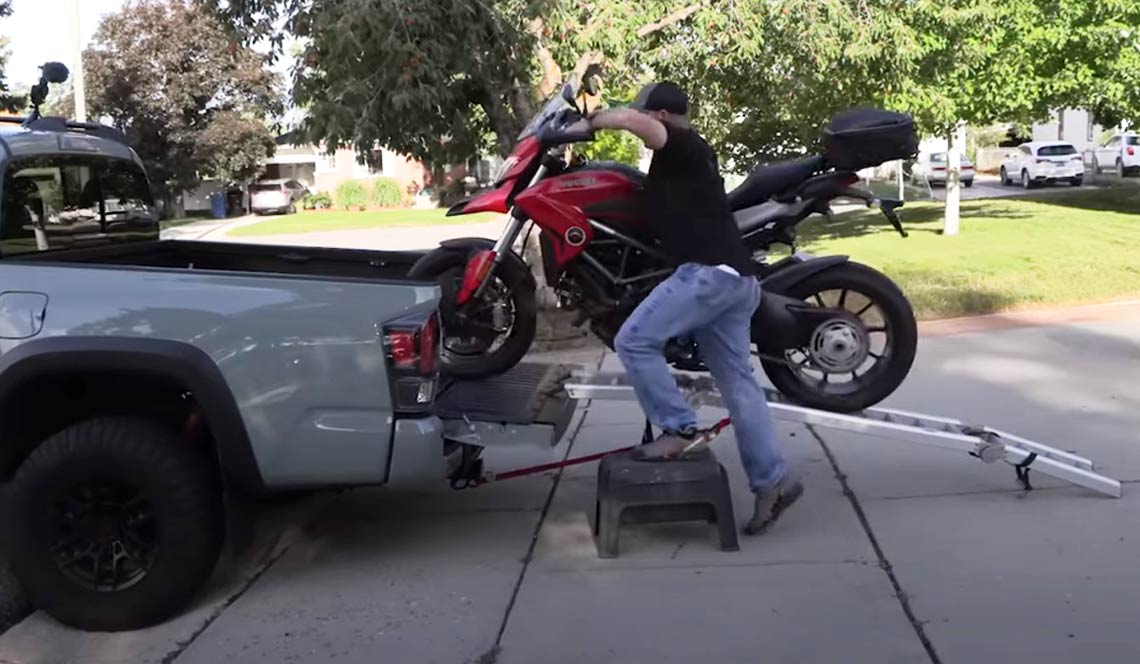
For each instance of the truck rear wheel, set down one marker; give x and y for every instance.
(114, 523)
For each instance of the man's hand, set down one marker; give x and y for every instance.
(650, 130)
(581, 126)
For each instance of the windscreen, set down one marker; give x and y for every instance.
(1132, 140)
(552, 107)
(1056, 150)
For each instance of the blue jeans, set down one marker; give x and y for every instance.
(716, 308)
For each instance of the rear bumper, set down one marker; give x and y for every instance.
(417, 452)
(940, 178)
(1058, 178)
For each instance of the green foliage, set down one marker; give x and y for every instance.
(8, 101)
(386, 193)
(317, 201)
(190, 100)
(232, 147)
(984, 137)
(617, 146)
(351, 194)
(764, 76)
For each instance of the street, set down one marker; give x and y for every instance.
(897, 553)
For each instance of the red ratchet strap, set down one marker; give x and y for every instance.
(707, 434)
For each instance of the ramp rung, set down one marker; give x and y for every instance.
(986, 443)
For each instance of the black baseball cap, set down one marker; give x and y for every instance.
(662, 96)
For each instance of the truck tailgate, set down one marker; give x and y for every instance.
(526, 405)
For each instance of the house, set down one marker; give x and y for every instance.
(322, 171)
(1072, 125)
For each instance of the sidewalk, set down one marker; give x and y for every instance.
(895, 554)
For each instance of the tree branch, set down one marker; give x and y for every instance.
(551, 72)
(670, 19)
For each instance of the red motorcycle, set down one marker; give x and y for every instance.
(830, 333)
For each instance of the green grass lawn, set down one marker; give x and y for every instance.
(1052, 248)
(339, 220)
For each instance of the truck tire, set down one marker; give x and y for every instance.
(114, 523)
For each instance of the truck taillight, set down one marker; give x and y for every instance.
(1130, 150)
(412, 348)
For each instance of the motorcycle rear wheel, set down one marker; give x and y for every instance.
(889, 330)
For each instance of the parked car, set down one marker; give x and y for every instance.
(276, 196)
(1121, 152)
(932, 167)
(1040, 162)
(149, 388)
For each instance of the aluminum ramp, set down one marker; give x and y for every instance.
(982, 442)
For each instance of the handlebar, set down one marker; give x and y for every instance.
(886, 205)
(555, 132)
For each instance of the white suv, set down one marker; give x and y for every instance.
(1121, 152)
(1043, 161)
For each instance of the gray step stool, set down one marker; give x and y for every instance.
(691, 489)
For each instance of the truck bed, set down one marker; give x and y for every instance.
(231, 257)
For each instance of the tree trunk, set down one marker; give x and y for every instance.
(502, 123)
(953, 182)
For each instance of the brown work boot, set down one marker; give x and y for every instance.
(670, 445)
(772, 502)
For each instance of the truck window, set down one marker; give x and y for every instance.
(61, 201)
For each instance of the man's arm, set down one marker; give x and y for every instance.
(648, 129)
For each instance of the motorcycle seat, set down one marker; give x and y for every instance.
(768, 180)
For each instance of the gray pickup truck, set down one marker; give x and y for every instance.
(148, 387)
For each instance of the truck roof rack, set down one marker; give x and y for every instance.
(58, 124)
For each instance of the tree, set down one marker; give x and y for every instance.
(232, 147)
(982, 62)
(435, 79)
(8, 101)
(191, 101)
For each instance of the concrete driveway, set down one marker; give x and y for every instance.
(895, 554)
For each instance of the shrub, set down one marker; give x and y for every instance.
(386, 193)
(351, 194)
(309, 201)
(322, 201)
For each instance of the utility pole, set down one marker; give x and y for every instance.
(77, 84)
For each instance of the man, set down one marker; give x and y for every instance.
(710, 296)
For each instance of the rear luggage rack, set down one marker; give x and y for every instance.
(982, 442)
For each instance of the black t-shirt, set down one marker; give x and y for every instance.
(687, 205)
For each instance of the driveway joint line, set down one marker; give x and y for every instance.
(181, 646)
(884, 563)
(491, 655)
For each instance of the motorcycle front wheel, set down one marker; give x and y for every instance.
(850, 363)
(492, 332)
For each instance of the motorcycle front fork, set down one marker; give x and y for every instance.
(477, 268)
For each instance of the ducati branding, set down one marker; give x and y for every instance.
(575, 236)
(575, 183)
